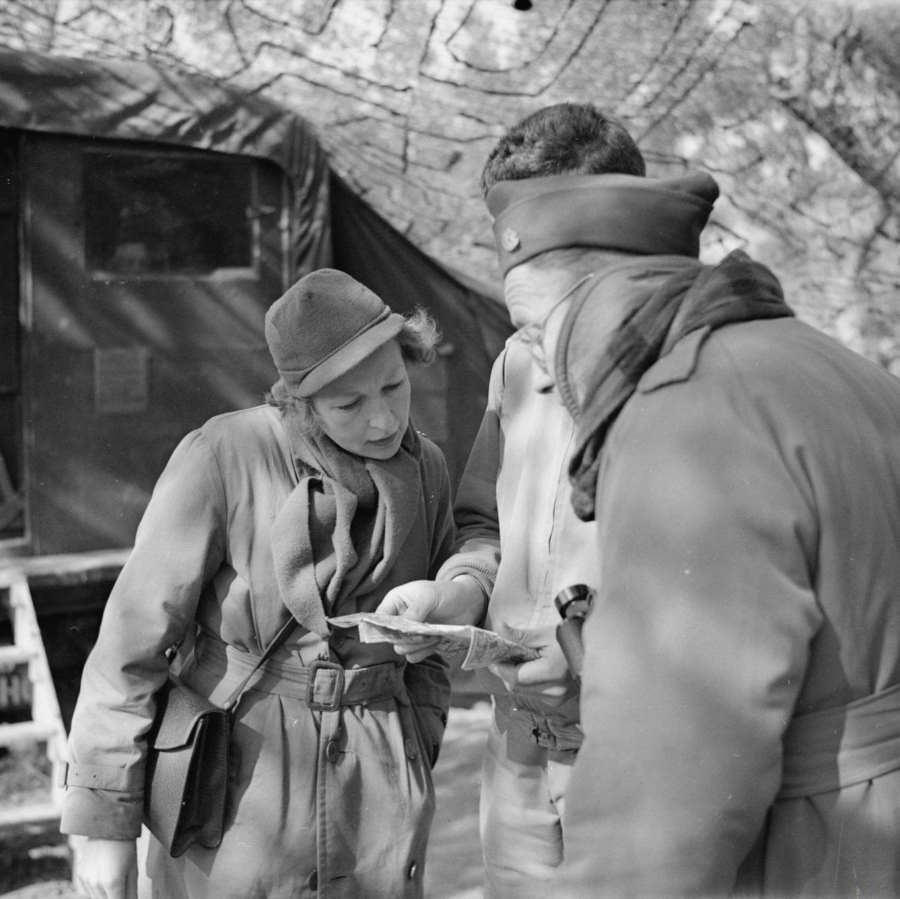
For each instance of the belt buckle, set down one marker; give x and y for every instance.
(334, 702)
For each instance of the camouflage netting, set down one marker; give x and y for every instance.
(793, 106)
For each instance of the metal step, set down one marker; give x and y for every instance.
(30, 826)
(11, 655)
(33, 681)
(34, 813)
(26, 733)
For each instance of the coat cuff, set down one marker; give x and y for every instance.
(104, 777)
(103, 814)
(475, 568)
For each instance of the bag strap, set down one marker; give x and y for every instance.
(279, 638)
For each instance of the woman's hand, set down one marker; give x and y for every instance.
(460, 601)
(416, 600)
(106, 869)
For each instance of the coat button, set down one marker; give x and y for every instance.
(332, 751)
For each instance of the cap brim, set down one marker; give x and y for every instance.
(350, 354)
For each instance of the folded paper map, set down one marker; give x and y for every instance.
(476, 646)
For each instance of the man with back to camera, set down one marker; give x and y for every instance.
(741, 686)
(520, 541)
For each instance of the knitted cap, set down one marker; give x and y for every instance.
(324, 325)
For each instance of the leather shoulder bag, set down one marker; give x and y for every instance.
(187, 761)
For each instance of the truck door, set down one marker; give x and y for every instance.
(150, 270)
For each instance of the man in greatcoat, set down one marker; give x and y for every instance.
(741, 688)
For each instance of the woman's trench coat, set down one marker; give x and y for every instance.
(740, 696)
(320, 803)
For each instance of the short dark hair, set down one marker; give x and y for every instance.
(567, 138)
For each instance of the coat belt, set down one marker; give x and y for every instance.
(839, 747)
(322, 685)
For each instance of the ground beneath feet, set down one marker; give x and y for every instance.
(454, 862)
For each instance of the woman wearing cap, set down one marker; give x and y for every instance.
(313, 505)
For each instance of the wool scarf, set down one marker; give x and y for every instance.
(342, 527)
(596, 382)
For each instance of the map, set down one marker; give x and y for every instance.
(473, 646)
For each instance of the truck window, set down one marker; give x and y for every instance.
(174, 215)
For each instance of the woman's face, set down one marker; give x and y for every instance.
(366, 410)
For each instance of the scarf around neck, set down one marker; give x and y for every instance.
(342, 527)
(595, 382)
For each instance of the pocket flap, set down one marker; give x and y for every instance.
(179, 711)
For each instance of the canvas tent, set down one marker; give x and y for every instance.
(148, 219)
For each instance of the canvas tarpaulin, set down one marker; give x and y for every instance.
(134, 100)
